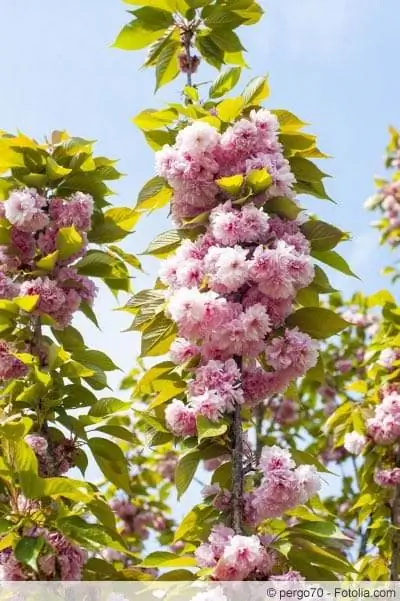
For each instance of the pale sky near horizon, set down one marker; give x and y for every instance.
(333, 63)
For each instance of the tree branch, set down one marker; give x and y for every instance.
(395, 560)
(237, 465)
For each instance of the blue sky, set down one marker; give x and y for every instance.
(333, 63)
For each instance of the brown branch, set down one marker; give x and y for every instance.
(237, 465)
(395, 560)
(259, 426)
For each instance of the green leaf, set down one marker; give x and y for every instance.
(68, 242)
(92, 536)
(97, 263)
(97, 358)
(114, 225)
(379, 299)
(55, 171)
(28, 549)
(158, 336)
(167, 68)
(154, 195)
(228, 110)
(226, 39)
(131, 260)
(305, 170)
(283, 207)
(164, 244)
(288, 122)
(333, 259)
(316, 189)
(48, 262)
(209, 50)
(208, 429)
(154, 17)
(256, 91)
(27, 303)
(225, 82)
(157, 47)
(137, 35)
(164, 559)
(111, 460)
(185, 471)
(108, 406)
(152, 119)
(231, 184)
(318, 322)
(321, 235)
(259, 180)
(73, 369)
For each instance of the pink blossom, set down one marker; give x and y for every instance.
(69, 279)
(388, 357)
(51, 297)
(210, 405)
(76, 211)
(274, 458)
(259, 385)
(354, 442)
(23, 243)
(180, 419)
(226, 268)
(182, 351)
(69, 557)
(285, 411)
(295, 350)
(344, 365)
(23, 208)
(9, 262)
(309, 480)
(384, 426)
(387, 478)
(37, 443)
(197, 138)
(8, 288)
(290, 576)
(10, 366)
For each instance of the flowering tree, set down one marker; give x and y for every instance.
(387, 199)
(57, 231)
(237, 301)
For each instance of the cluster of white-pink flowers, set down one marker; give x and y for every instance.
(283, 486)
(60, 559)
(34, 223)
(388, 200)
(202, 155)
(383, 427)
(54, 458)
(136, 520)
(234, 557)
(233, 288)
(230, 292)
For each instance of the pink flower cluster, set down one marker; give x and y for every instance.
(11, 368)
(384, 426)
(284, 486)
(59, 560)
(234, 557)
(201, 156)
(35, 223)
(229, 291)
(388, 199)
(54, 459)
(135, 520)
(388, 478)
